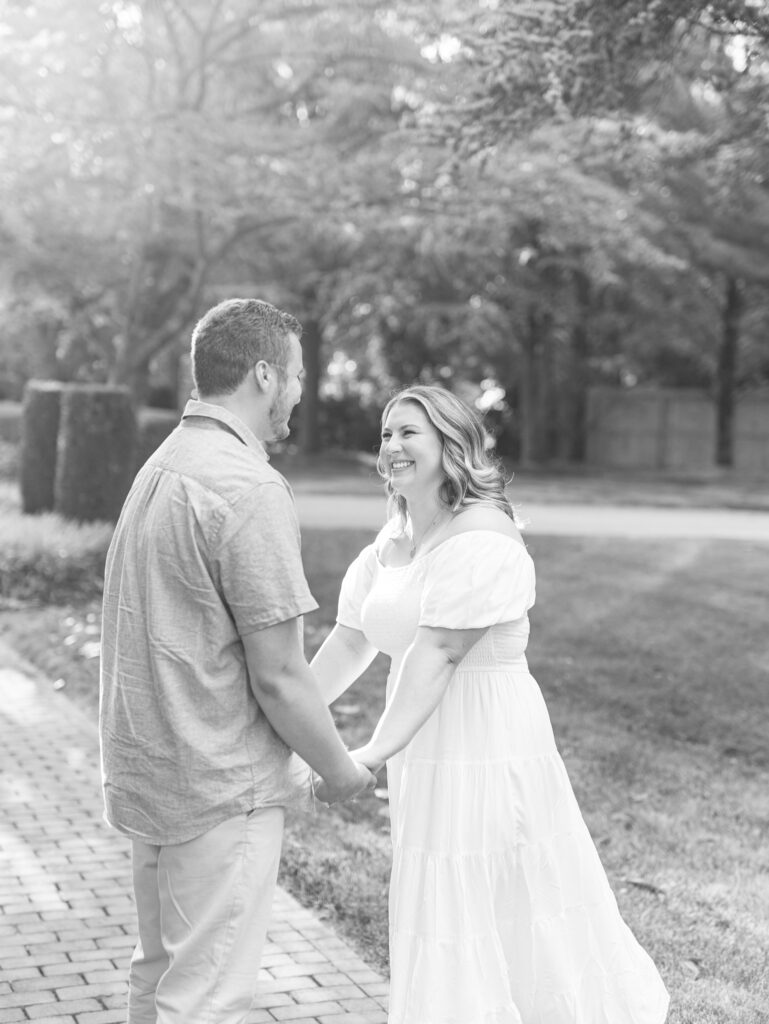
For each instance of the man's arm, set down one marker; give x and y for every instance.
(288, 693)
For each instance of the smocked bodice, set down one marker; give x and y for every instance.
(390, 616)
(477, 579)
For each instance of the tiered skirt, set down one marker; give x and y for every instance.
(500, 910)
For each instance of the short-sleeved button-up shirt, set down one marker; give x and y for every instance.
(207, 550)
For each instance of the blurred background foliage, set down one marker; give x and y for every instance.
(519, 198)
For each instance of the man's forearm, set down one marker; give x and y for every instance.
(297, 712)
(288, 694)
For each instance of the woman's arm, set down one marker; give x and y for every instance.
(344, 655)
(425, 673)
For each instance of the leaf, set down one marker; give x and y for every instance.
(640, 883)
(691, 969)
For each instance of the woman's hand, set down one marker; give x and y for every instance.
(368, 755)
(364, 779)
(369, 763)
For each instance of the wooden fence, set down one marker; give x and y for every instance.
(673, 428)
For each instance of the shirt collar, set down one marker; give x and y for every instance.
(208, 410)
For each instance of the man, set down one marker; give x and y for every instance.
(204, 687)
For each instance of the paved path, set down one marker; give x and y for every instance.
(67, 924)
(325, 511)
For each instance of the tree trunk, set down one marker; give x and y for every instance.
(526, 401)
(309, 422)
(136, 377)
(576, 450)
(530, 392)
(727, 372)
(548, 381)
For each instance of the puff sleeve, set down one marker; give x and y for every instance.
(477, 579)
(355, 586)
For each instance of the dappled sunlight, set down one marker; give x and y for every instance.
(24, 710)
(554, 210)
(15, 789)
(36, 879)
(75, 757)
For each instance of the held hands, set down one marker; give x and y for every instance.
(366, 755)
(359, 780)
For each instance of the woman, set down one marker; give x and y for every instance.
(500, 911)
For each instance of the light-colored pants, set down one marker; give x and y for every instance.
(203, 908)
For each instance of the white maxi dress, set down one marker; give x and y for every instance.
(500, 910)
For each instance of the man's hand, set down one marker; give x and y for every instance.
(368, 756)
(362, 779)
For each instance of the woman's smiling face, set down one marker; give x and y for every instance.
(411, 449)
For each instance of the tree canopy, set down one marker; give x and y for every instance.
(516, 198)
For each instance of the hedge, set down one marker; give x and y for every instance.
(154, 427)
(96, 452)
(50, 560)
(9, 461)
(10, 422)
(39, 432)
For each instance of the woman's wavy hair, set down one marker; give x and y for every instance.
(472, 475)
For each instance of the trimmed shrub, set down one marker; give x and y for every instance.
(96, 452)
(39, 430)
(10, 421)
(9, 461)
(154, 427)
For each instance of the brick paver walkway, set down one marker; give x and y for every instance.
(67, 925)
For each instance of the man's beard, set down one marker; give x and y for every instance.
(279, 414)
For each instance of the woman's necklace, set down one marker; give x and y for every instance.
(416, 544)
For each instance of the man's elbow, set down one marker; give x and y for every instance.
(272, 686)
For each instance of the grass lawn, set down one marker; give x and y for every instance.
(654, 660)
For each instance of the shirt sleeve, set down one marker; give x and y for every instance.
(259, 560)
(477, 579)
(355, 586)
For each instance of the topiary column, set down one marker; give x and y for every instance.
(39, 432)
(96, 451)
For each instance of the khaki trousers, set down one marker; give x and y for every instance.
(203, 908)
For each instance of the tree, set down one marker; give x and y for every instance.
(537, 62)
(677, 92)
(168, 138)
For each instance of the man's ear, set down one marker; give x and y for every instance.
(262, 375)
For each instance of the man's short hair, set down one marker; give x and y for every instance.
(232, 337)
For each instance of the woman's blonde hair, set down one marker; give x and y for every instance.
(472, 475)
